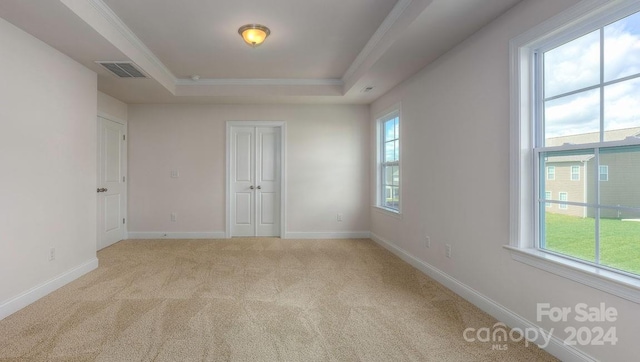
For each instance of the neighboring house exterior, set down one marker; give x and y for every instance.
(572, 177)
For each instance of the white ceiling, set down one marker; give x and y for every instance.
(309, 39)
(319, 51)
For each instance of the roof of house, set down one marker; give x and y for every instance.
(592, 137)
(572, 158)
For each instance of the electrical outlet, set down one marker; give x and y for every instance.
(174, 217)
(448, 250)
(339, 217)
(175, 174)
(427, 242)
(52, 254)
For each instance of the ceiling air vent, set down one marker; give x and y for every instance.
(124, 69)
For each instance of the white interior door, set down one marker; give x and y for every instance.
(242, 181)
(111, 182)
(267, 181)
(255, 181)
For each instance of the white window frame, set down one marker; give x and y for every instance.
(576, 174)
(385, 116)
(600, 173)
(588, 14)
(551, 175)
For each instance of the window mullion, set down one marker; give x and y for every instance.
(383, 171)
(580, 90)
(538, 109)
(596, 152)
(596, 86)
(539, 222)
(538, 143)
(601, 84)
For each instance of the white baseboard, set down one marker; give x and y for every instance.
(222, 235)
(15, 304)
(179, 235)
(328, 235)
(556, 347)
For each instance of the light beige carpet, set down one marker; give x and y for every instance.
(251, 300)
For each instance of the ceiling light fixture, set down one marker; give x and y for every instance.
(254, 34)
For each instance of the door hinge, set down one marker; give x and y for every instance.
(124, 138)
(123, 179)
(123, 220)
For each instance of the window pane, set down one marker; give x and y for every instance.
(393, 200)
(396, 145)
(572, 119)
(621, 110)
(572, 66)
(570, 234)
(388, 175)
(391, 175)
(389, 152)
(389, 131)
(396, 127)
(569, 167)
(620, 242)
(621, 49)
(623, 185)
(396, 175)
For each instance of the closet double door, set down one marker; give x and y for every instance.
(255, 184)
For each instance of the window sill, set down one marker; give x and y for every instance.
(390, 212)
(607, 281)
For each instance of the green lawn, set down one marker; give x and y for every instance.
(575, 236)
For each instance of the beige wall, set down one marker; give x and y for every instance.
(455, 130)
(48, 158)
(111, 107)
(327, 166)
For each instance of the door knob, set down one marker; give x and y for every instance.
(259, 187)
(102, 189)
(251, 187)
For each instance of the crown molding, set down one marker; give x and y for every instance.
(115, 21)
(103, 19)
(108, 14)
(386, 25)
(259, 82)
